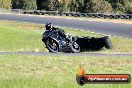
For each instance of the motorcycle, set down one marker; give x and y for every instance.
(56, 43)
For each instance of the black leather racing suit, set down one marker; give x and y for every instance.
(60, 31)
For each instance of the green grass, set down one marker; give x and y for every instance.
(18, 36)
(21, 71)
(26, 71)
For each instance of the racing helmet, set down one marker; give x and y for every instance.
(48, 26)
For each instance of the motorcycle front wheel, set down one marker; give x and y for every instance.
(52, 46)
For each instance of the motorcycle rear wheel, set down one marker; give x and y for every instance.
(75, 48)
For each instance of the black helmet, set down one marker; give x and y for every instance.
(48, 26)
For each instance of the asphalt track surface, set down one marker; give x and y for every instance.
(108, 28)
(63, 54)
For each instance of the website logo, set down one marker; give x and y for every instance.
(83, 78)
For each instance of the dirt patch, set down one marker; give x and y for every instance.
(116, 62)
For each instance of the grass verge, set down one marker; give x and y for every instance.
(18, 36)
(122, 21)
(27, 71)
(21, 71)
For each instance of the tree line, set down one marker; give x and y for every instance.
(83, 6)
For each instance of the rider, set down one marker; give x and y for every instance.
(61, 32)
